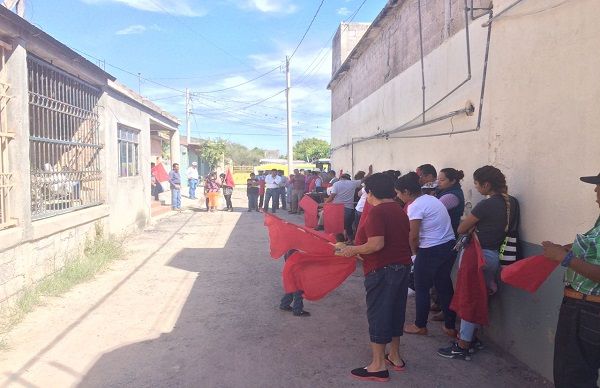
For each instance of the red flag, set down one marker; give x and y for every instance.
(285, 236)
(470, 299)
(229, 179)
(528, 274)
(360, 237)
(316, 275)
(333, 218)
(310, 207)
(160, 173)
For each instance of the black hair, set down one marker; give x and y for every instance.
(381, 185)
(453, 174)
(175, 164)
(397, 174)
(359, 175)
(152, 164)
(493, 176)
(332, 172)
(340, 237)
(427, 169)
(408, 182)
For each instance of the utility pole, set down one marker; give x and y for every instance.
(188, 111)
(290, 146)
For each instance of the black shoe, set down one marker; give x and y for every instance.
(455, 351)
(363, 374)
(249, 210)
(285, 308)
(320, 227)
(476, 345)
(301, 313)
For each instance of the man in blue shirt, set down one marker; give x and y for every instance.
(175, 182)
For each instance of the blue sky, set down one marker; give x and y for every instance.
(208, 46)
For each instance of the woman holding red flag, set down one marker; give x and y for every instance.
(382, 243)
(490, 218)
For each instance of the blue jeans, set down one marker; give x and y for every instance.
(192, 183)
(386, 289)
(490, 271)
(176, 198)
(253, 201)
(432, 268)
(348, 220)
(273, 195)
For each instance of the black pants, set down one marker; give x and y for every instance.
(228, 201)
(261, 200)
(577, 344)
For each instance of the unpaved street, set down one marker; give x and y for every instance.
(195, 305)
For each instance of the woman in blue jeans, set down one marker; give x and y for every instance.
(431, 241)
(489, 218)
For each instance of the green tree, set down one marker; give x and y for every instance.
(311, 149)
(242, 156)
(212, 152)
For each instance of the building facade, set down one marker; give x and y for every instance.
(75, 154)
(462, 84)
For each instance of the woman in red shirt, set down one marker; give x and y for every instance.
(382, 243)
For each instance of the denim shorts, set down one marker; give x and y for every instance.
(386, 289)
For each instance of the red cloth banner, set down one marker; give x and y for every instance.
(470, 301)
(229, 179)
(333, 218)
(160, 173)
(284, 236)
(316, 275)
(529, 273)
(310, 207)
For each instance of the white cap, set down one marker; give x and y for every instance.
(194, 164)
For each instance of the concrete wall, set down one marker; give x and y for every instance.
(35, 249)
(345, 39)
(538, 126)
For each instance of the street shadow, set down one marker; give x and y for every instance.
(231, 333)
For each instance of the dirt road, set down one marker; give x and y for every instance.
(195, 305)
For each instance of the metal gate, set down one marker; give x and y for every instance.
(64, 141)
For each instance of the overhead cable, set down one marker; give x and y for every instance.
(307, 29)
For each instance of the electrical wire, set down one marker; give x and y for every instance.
(307, 29)
(243, 83)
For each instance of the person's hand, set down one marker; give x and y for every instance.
(553, 251)
(370, 168)
(348, 251)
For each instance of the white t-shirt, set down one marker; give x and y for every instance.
(363, 199)
(436, 227)
(272, 182)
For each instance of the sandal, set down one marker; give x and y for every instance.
(397, 368)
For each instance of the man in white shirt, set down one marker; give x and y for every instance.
(282, 189)
(192, 176)
(272, 182)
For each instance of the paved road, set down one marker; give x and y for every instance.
(195, 305)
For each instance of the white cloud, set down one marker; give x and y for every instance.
(268, 6)
(344, 11)
(134, 29)
(175, 7)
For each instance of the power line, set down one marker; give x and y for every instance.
(307, 29)
(238, 85)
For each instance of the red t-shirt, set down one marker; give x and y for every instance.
(389, 220)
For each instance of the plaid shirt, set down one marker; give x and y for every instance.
(587, 247)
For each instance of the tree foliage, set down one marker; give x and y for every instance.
(242, 156)
(311, 149)
(212, 152)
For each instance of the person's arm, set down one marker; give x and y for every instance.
(330, 198)
(373, 244)
(413, 235)
(450, 201)
(468, 224)
(557, 252)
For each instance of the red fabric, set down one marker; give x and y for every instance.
(160, 173)
(363, 218)
(390, 221)
(470, 301)
(261, 187)
(310, 207)
(528, 274)
(284, 236)
(229, 179)
(312, 184)
(333, 218)
(316, 275)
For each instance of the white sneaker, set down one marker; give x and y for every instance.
(411, 292)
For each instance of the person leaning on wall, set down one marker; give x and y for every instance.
(577, 339)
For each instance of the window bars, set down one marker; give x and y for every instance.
(6, 176)
(64, 141)
(128, 139)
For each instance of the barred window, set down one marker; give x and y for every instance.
(64, 141)
(128, 151)
(6, 176)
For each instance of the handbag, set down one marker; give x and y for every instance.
(510, 250)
